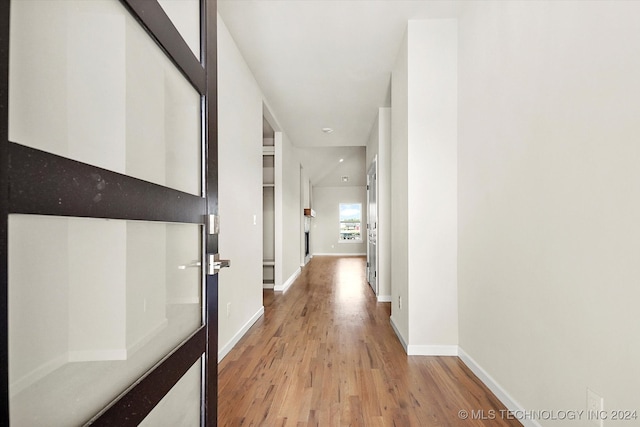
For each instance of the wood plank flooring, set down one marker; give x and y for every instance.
(324, 354)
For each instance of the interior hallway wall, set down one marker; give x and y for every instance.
(240, 192)
(290, 227)
(424, 187)
(326, 224)
(549, 194)
(379, 145)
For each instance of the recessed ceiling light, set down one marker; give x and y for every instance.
(341, 160)
(327, 130)
(345, 178)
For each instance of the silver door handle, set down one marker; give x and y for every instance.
(215, 264)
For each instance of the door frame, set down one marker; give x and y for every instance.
(373, 170)
(26, 192)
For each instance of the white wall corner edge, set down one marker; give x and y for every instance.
(288, 282)
(509, 402)
(398, 334)
(236, 338)
(384, 298)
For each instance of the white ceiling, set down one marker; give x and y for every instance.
(325, 63)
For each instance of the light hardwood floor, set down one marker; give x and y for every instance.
(324, 354)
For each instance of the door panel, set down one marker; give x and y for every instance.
(108, 170)
(112, 98)
(98, 311)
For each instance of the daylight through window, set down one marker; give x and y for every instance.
(350, 222)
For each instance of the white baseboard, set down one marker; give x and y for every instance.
(288, 282)
(384, 298)
(338, 254)
(509, 402)
(399, 335)
(424, 350)
(147, 337)
(227, 347)
(267, 286)
(38, 373)
(117, 353)
(432, 350)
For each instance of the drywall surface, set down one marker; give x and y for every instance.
(399, 193)
(432, 186)
(424, 188)
(384, 203)
(325, 227)
(291, 212)
(239, 188)
(379, 147)
(549, 200)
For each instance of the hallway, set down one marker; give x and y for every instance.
(324, 354)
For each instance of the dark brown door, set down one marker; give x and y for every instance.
(108, 184)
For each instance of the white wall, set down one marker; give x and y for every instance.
(399, 194)
(424, 214)
(305, 202)
(379, 144)
(432, 209)
(373, 142)
(550, 199)
(325, 227)
(384, 204)
(240, 191)
(291, 214)
(240, 106)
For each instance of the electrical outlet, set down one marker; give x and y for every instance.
(595, 408)
(228, 309)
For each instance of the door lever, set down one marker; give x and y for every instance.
(215, 264)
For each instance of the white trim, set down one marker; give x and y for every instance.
(397, 331)
(37, 374)
(238, 336)
(289, 281)
(384, 298)
(268, 286)
(509, 402)
(339, 254)
(432, 350)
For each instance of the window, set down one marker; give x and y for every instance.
(350, 222)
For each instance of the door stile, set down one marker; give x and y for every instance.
(209, 50)
(5, 18)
